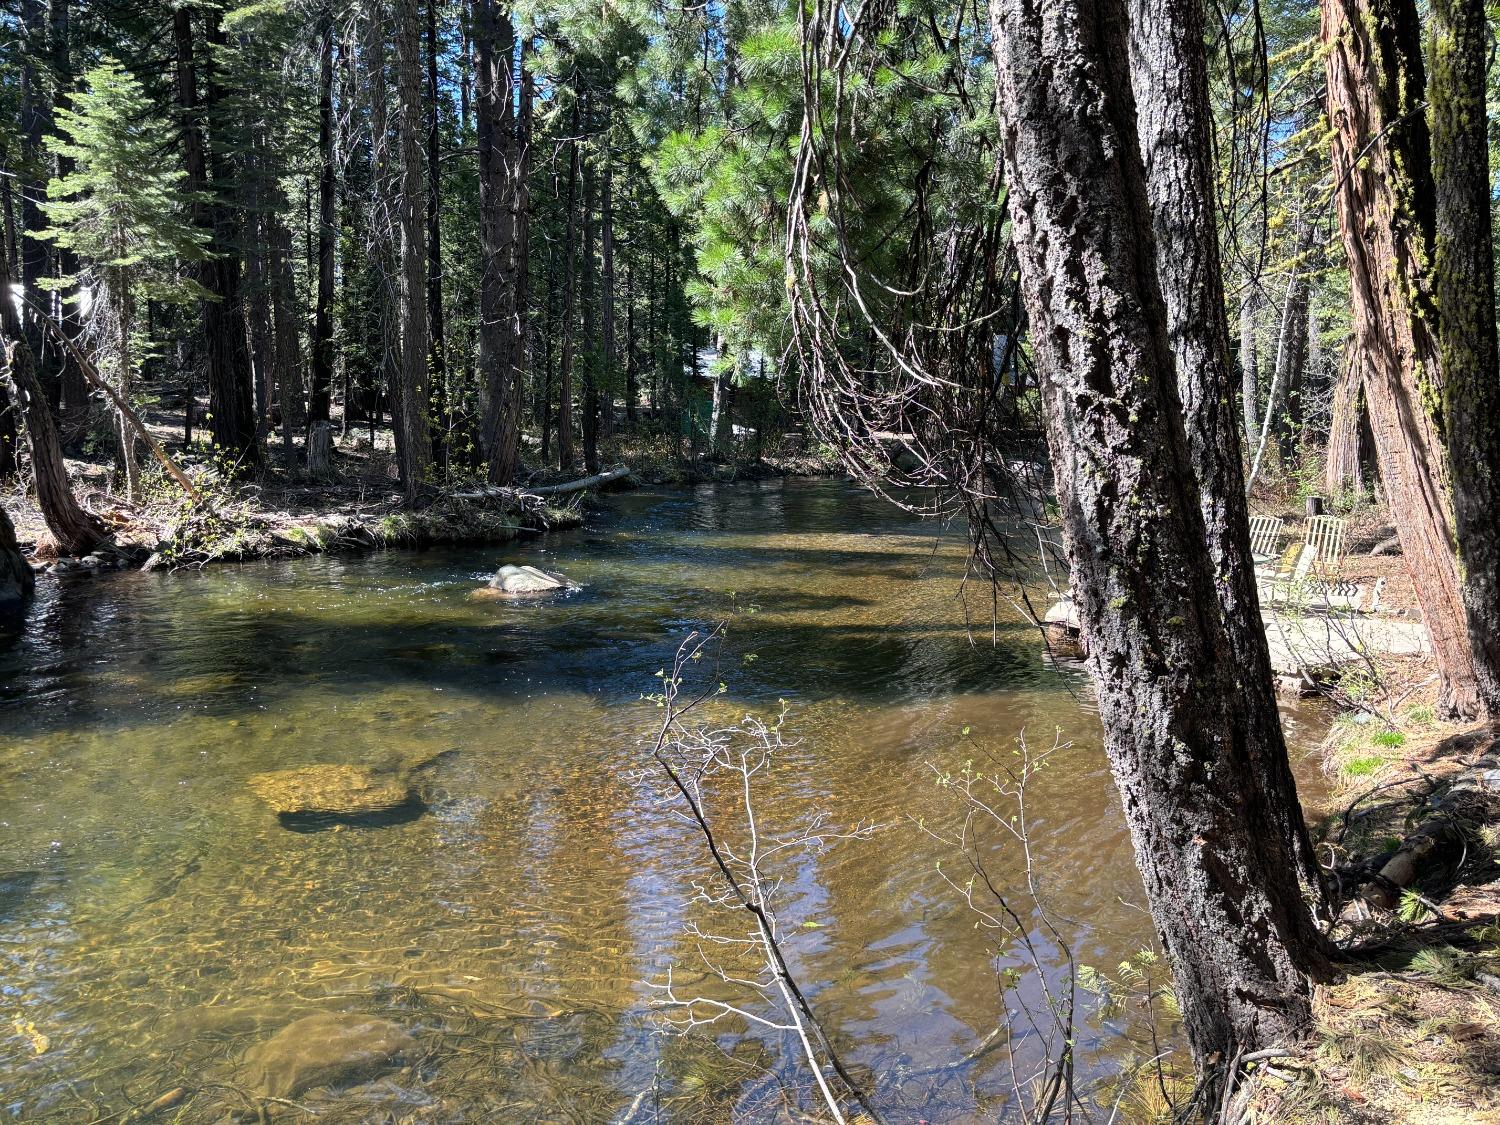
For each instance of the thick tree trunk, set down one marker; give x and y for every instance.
(230, 399)
(436, 359)
(416, 440)
(320, 394)
(1220, 877)
(76, 531)
(1169, 76)
(1380, 149)
(1464, 276)
(17, 583)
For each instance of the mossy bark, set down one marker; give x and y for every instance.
(1220, 877)
(1381, 155)
(1464, 283)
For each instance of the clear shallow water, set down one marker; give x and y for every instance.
(157, 920)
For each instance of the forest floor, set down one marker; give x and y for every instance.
(270, 512)
(1411, 1032)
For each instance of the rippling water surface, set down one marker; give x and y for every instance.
(157, 920)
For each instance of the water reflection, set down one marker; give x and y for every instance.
(156, 919)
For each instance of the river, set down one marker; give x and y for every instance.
(157, 919)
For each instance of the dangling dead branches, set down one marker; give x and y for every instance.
(905, 316)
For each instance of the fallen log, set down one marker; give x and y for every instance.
(617, 473)
(1442, 839)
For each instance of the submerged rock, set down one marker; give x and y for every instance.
(327, 1049)
(331, 791)
(521, 580)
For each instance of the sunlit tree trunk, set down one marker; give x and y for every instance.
(1380, 148)
(1464, 277)
(1221, 880)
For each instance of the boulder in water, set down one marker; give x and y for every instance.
(523, 580)
(327, 1049)
(336, 791)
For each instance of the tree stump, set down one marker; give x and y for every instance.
(320, 451)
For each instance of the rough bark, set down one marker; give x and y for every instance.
(320, 394)
(416, 446)
(1220, 878)
(1169, 77)
(1380, 148)
(17, 583)
(76, 531)
(1464, 283)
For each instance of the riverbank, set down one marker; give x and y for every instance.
(274, 513)
(1411, 1033)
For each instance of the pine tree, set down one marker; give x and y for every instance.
(125, 214)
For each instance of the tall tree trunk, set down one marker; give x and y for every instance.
(382, 226)
(230, 400)
(569, 252)
(416, 447)
(1380, 148)
(436, 359)
(494, 96)
(76, 531)
(588, 298)
(521, 225)
(320, 393)
(1464, 277)
(632, 373)
(1220, 877)
(609, 360)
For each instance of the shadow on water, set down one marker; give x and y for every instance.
(512, 916)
